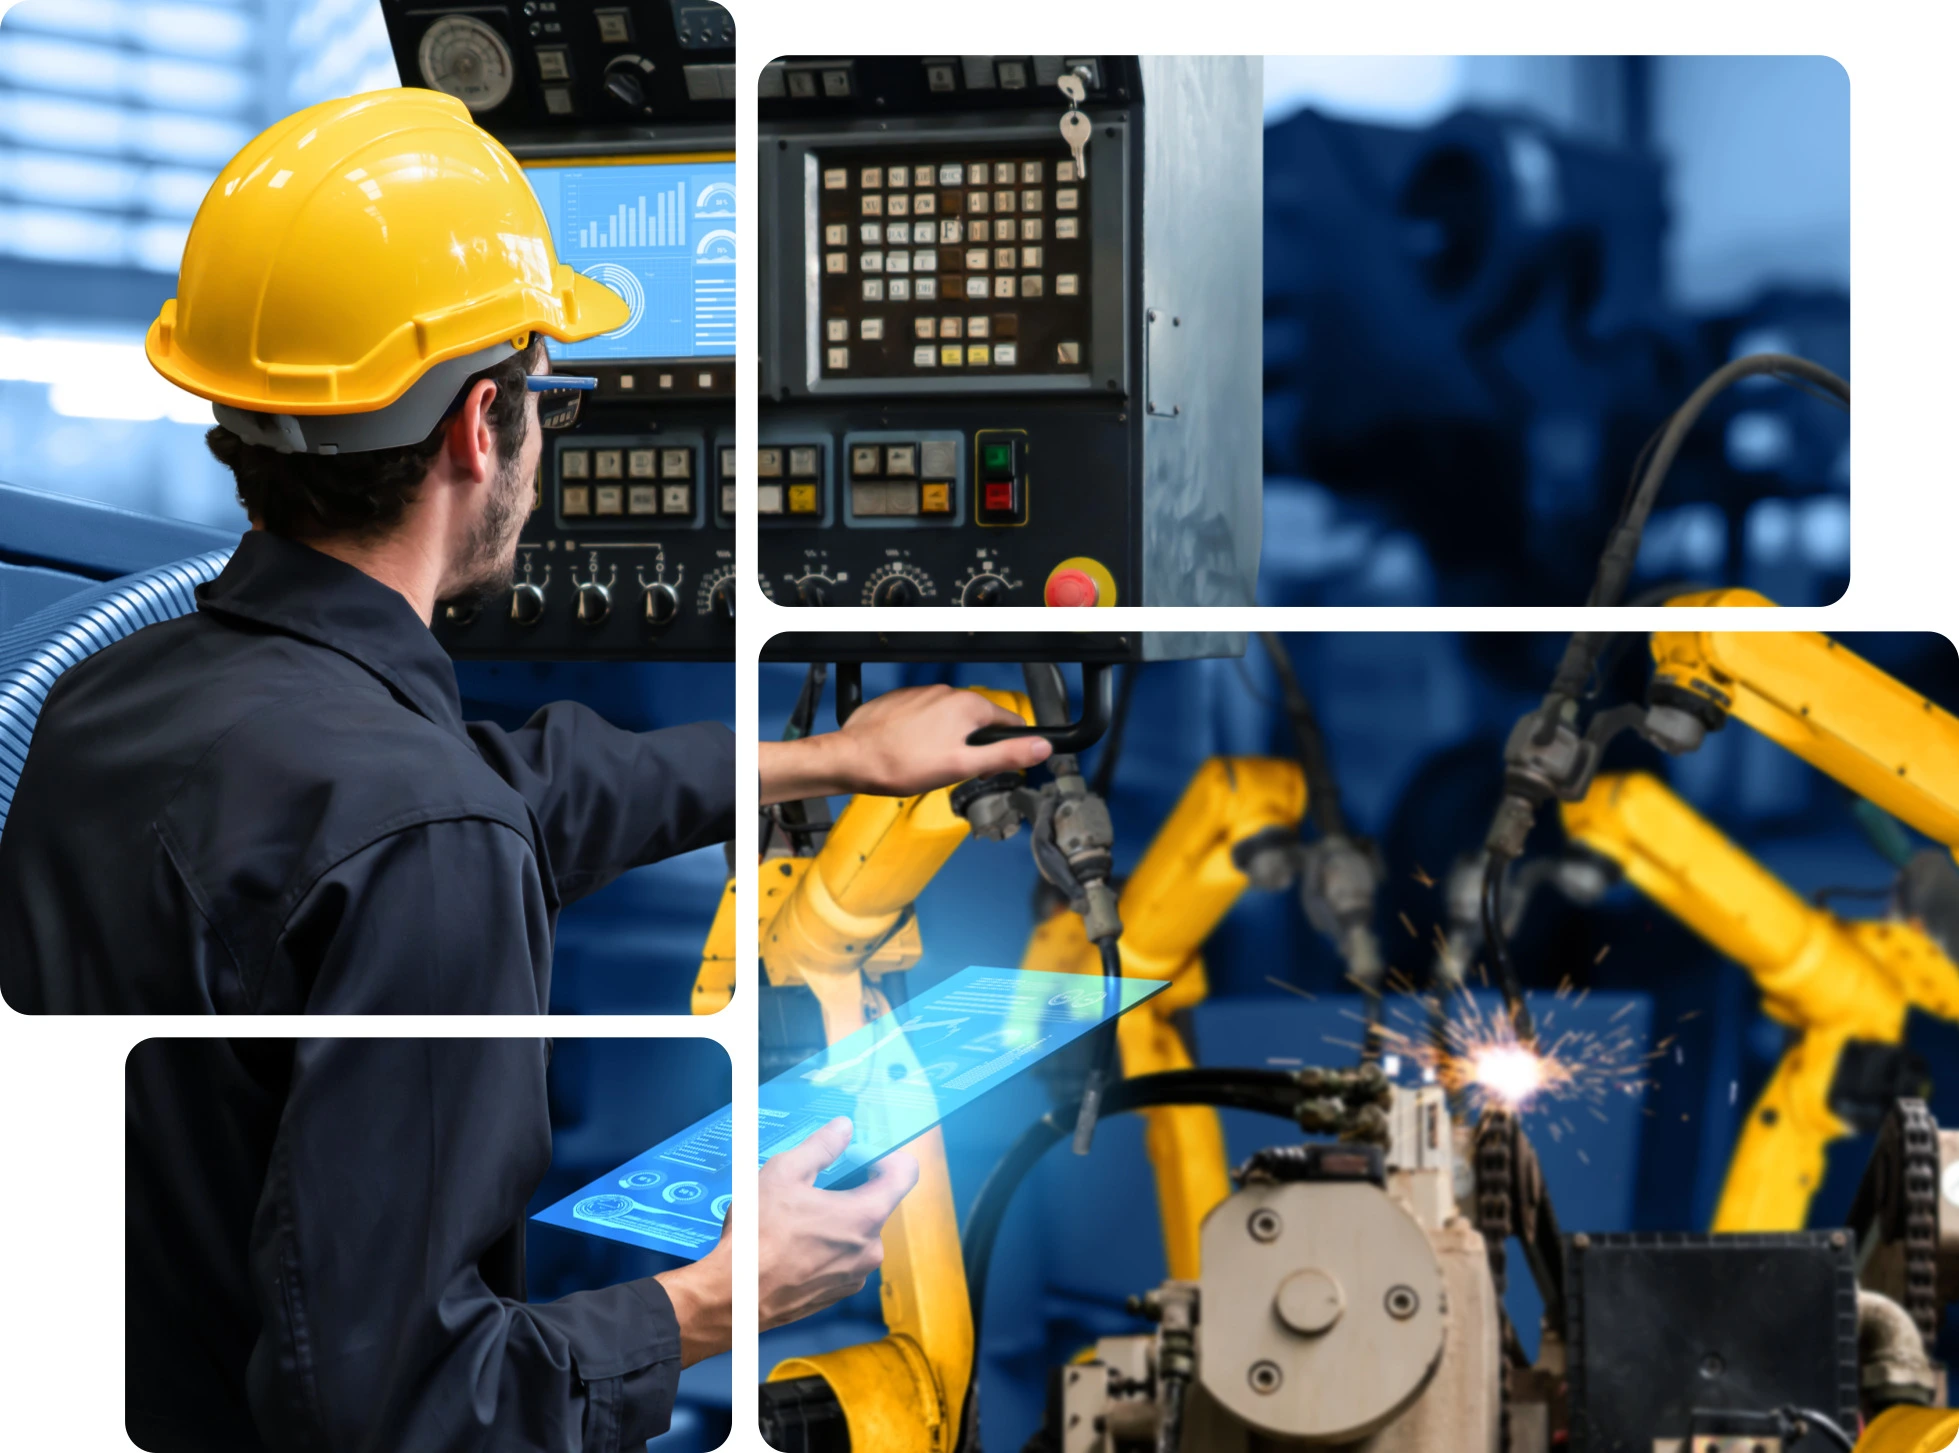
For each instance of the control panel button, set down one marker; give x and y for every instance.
(768, 499)
(997, 497)
(802, 463)
(575, 464)
(608, 463)
(1002, 479)
(939, 458)
(609, 499)
(866, 459)
(1072, 588)
(676, 499)
(639, 463)
(935, 499)
(643, 499)
(768, 463)
(901, 459)
(802, 499)
(576, 499)
(676, 464)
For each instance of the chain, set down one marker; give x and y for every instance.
(1919, 1190)
(1495, 1173)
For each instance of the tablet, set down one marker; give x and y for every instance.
(895, 1078)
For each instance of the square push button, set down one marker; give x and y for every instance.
(935, 499)
(802, 499)
(1002, 479)
(768, 499)
(998, 497)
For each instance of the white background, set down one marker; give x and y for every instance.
(61, 1080)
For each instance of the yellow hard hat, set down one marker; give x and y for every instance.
(358, 248)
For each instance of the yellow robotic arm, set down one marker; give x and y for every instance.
(1830, 979)
(1829, 706)
(836, 923)
(1195, 869)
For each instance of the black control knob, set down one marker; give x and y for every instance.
(462, 612)
(814, 591)
(593, 605)
(526, 604)
(990, 591)
(660, 606)
(898, 590)
(722, 602)
(625, 83)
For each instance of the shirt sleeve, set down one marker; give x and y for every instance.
(446, 917)
(401, 1171)
(606, 799)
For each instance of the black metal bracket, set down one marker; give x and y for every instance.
(1098, 709)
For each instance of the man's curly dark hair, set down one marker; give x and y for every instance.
(362, 496)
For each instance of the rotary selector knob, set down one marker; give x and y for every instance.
(814, 590)
(625, 83)
(593, 605)
(985, 590)
(660, 606)
(462, 612)
(526, 604)
(897, 590)
(722, 602)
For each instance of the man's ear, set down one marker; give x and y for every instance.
(471, 440)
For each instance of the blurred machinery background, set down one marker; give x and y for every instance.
(1488, 279)
(1414, 726)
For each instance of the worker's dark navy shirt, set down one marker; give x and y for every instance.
(274, 805)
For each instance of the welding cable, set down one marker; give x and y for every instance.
(1105, 765)
(1622, 546)
(1498, 944)
(1263, 1092)
(1322, 790)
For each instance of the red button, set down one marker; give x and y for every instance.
(1000, 497)
(1072, 587)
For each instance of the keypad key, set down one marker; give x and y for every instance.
(802, 462)
(768, 499)
(802, 499)
(639, 463)
(866, 459)
(643, 499)
(676, 464)
(576, 499)
(901, 459)
(676, 499)
(575, 464)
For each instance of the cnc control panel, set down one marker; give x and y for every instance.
(950, 299)
(622, 116)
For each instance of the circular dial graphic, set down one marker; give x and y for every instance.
(464, 58)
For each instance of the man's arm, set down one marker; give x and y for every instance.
(608, 799)
(896, 745)
(387, 1266)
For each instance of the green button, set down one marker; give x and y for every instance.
(997, 458)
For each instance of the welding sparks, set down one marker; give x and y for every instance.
(1510, 1073)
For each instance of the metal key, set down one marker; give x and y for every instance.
(1075, 130)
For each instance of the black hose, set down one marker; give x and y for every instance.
(1820, 1423)
(1322, 790)
(1105, 1068)
(1498, 945)
(1266, 1092)
(1105, 765)
(1622, 547)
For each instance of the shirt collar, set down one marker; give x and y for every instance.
(281, 583)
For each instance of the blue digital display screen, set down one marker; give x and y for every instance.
(895, 1078)
(662, 236)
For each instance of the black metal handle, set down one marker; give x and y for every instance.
(1098, 707)
(850, 688)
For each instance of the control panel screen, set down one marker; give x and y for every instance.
(661, 234)
(895, 1078)
(934, 264)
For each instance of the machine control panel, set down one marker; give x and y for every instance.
(951, 331)
(629, 548)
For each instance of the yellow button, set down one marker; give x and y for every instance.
(936, 499)
(802, 499)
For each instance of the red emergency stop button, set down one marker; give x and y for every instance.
(1072, 587)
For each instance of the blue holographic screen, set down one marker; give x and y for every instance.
(895, 1078)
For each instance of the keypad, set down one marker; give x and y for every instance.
(993, 251)
(789, 481)
(605, 483)
(903, 479)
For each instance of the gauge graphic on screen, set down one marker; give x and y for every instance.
(681, 1192)
(464, 58)
(625, 282)
(642, 1180)
(721, 1204)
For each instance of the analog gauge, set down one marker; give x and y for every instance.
(464, 58)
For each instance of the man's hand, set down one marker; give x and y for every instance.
(703, 1297)
(897, 745)
(818, 1247)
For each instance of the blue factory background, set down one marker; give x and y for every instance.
(1415, 725)
(1489, 279)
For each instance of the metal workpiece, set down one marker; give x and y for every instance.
(1356, 1323)
(1203, 274)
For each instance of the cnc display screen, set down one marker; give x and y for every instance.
(896, 1078)
(661, 234)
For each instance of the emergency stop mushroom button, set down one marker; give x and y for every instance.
(1072, 587)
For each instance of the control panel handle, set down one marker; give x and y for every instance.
(1098, 707)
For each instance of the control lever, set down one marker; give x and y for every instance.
(1076, 128)
(1072, 738)
(850, 689)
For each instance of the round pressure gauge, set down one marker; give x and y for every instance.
(463, 57)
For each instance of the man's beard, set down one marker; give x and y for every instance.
(489, 564)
